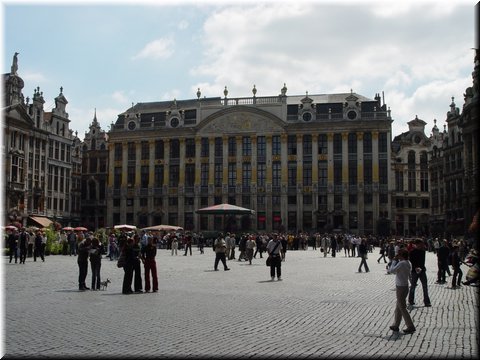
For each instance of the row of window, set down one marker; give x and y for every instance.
(158, 202)
(246, 174)
(246, 146)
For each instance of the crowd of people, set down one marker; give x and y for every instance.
(132, 249)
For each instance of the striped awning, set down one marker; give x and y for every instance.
(42, 220)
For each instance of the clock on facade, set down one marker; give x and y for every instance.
(307, 116)
(174, 122)
(352, 115)
(132, 125)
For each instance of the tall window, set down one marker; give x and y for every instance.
(307, 145)
(367, 172)
(307, 174)
(292, 173)
(276, 145)
(337, 172)
(190, 148)
(204, 174)
(292, 145)
(204, 147)
(246, 174)
(398, 180)
(246, 146)
(412, 184)
(131, 175)
(261, 146)
(232, 146)
(158, 177)
(131, 151)
(118, 151)
(232, 174)
(117, 177)
(383, 171)
(322, 144)
(367, 142)
(159, 149)
(352, 143)
(423, 171)
(337, 143)
(190, 175)
(145, 150)
(352, 172)
(322, 173)
(218, 175)
(174, 149)
(261, 174)
(218, 147)
(382, 142)
(144, 172)
(174, 175)
(276, 173)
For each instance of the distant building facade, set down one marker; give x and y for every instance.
(411, 193)
(313, 162)
(37, 156)
(94, 177)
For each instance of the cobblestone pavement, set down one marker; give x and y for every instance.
(323, 308)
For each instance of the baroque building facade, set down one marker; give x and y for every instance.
(37, 157)
(94, 177)
(313, 162)
(411, 193)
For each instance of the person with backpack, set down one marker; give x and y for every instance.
(274, 248)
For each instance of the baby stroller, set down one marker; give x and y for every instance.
(473, 273)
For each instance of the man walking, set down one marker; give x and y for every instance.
(419, 272)
(72, 243)
(220, 248)
(362, 252)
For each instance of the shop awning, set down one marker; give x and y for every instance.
(42, 220)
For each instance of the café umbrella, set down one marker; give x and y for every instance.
(80, 228)
(225, 209)
(125, 227)
(163, 227)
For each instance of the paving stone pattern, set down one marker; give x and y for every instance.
(323, 308)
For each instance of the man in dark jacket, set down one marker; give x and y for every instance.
(82, 260)
(419, 272)
(442, 261)
(12, 245)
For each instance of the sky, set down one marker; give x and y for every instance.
(107, 55)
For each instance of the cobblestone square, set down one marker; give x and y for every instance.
(323, 308)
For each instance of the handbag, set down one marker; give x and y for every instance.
(269, 258)
(121, 260)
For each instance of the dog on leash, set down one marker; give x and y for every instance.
(104, 284)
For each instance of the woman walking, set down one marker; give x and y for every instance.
(401, 267)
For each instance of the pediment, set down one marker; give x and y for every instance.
(20, 115)
(241, 121)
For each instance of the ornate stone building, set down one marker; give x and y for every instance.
(313, 162)
(94, 177)
(469, 125)
(411, 194)
(37, 156)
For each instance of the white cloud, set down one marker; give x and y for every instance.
(120, 97)
(34, 78)
(182, 25)
(157, 49)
